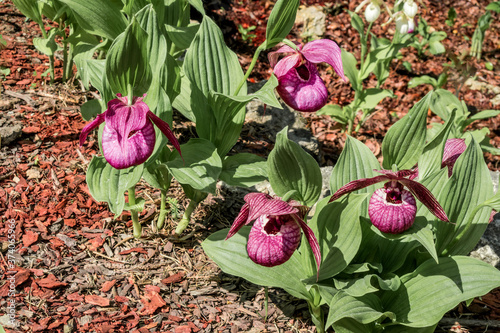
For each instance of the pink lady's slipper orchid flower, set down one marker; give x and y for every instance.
(275, 235)
(392, 209)
(129, 137)
(300, 85)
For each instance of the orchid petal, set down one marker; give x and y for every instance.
(263, 204)
(128, 138)
(452, 151)
(357, 185)
(325, 50)
(273, 56)
(425, 196)
(239, 222)
(301, 94)
(272, 249)
(286, 64)
(90, 126)
(311, 239)
(390, 217)
(165, 129)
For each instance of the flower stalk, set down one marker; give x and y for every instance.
(134, 214)
(186, 217)
(163, 211)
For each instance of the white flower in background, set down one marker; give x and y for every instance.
(410, 8)
(404, 24)
(372, 12)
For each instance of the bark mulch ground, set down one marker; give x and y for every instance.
(79, 269)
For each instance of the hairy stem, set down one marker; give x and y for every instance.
(135, 215)
(186, 217)
(163, 211)
(250, 68)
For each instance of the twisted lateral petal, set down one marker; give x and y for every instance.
(311, 239)
(425, 196)
(304, 91)
(165, 129)
(239, 222)
(452, 151)
(269, 248)
(357, 185)
(90, 126)
(263, 204)
(286, 64)
(274, 56)
(389, 217)
(324, 50)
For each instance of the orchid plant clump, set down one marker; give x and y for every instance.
(147, 58)
(387, 251)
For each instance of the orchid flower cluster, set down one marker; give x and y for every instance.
(404, 18)
(386, 252)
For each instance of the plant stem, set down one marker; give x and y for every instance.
(186, 217)
(163, 211)
(317, 317)
(266, 301)
(250, 68)
(135, 215)
(364, 46)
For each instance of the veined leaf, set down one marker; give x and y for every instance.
(281, 21)
(231, 256)
(433, 289)
(291, 168)
(109, 184)
(243, 169)
(405, 140)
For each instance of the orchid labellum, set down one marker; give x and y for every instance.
(276, 232)
(392, 209)
(129, 137)
(300, 85)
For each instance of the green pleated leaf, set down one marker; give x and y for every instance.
(231, 256)
(47, 46)
(91, 109)
(433, 289)
(357, 23)
(369, 283)
(291, 168)
(156, 173)
(182, 36)
(156, 44)
(109, 184)
(243, 169)
(281, 21)
(338, 231)
(364, 310)
(355, 162)
(443, 102)
(127, 61)
(211, 68)
(200, 167)
(469, 186)
(431, 159)
(198, 4)
(30, 9)
(102, 18)
(419, 232)
(485, 114)
(229, 112)
(405, 140)
(369, 98)
(349, 63)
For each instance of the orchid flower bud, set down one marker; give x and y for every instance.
(372, 12)
(404, 24)
(410, 8)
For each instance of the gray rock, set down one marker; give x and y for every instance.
(10, 129)
(313, 20)
(266, 122)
